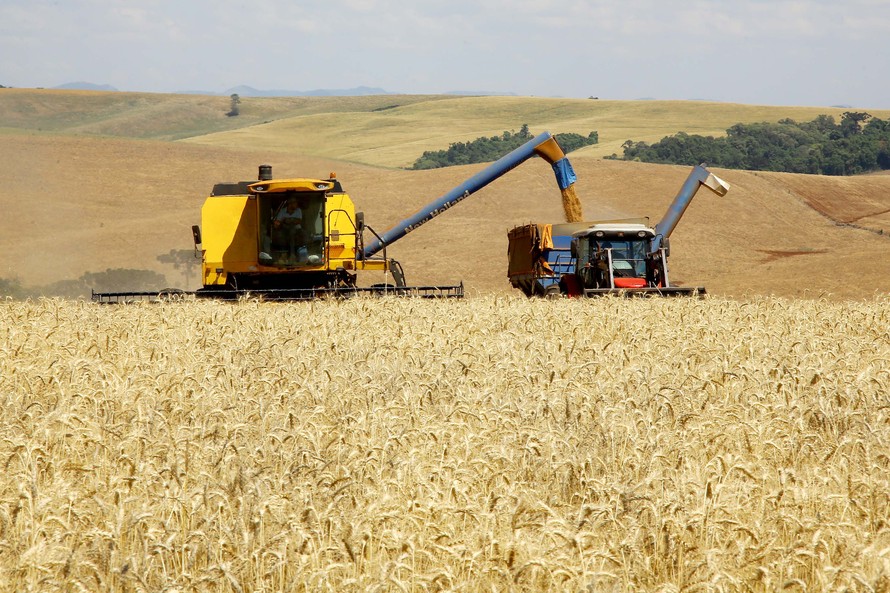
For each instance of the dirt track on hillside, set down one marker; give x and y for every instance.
(74, 205)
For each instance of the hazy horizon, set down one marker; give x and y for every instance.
(786, 52)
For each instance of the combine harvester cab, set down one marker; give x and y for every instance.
(610, 257)
(289, 239)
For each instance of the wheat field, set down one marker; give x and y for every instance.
(491, 444)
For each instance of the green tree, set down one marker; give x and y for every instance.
(235, 108)
(570, 141)
(483, 150)
(819, 146)
(851, 122)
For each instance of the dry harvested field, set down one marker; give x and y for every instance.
(491, 444)
(121, 203)
(96, 181)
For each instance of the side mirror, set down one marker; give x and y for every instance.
(359, 221)
(573, 248)
(196, 233)
(667, 246)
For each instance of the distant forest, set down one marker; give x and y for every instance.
(483, 150)
(858, 144)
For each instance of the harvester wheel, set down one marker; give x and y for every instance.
(552, 292)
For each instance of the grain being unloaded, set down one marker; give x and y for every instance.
(571, 205)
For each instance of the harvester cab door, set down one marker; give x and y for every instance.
(586, 262)
(313, 224)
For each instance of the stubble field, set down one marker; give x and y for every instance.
(491, 444)
(127, 174)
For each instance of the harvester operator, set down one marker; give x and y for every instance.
(287, 228)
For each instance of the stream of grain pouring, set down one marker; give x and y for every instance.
(571, 205)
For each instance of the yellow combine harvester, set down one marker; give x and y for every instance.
(289, 238)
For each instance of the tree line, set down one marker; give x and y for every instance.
(483, 150)
(859, 143)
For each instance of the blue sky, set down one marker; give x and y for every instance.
(779, 52)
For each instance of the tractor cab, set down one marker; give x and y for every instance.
(617, 256)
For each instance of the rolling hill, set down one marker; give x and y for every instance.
(93, 180)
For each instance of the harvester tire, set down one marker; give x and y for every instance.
(552, 292)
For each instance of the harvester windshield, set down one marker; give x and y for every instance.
(291, 228)
(628, 257)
